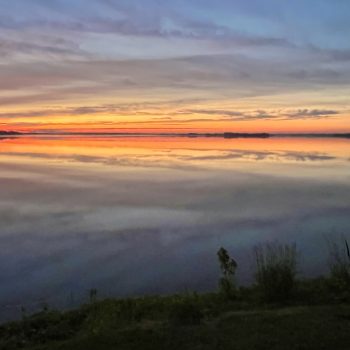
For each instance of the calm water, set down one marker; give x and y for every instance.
(131, 216)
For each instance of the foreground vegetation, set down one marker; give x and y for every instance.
(278, 312)
(183, 322)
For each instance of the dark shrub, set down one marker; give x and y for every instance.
(339, 264)
(276, 271)
(228, 268)
(93, 295)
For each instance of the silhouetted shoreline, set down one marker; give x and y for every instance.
(226, 135)
(9, 133)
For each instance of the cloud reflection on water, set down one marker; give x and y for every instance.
(147, 216)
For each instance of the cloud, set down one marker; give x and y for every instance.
(58, 47)
(307, 74)
(227, 115)
(311, 114)
(205, 76)
(222, 112)
(156, 116)
(132, 108)
(132, 20)
(330, 54)
(61, 52)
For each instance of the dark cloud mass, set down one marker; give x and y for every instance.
(261, 114)
(311, 114)
(137, 108)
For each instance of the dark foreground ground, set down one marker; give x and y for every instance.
(189, 321)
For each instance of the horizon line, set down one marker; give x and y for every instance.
(225, 134)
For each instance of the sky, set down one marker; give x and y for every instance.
(179, 65)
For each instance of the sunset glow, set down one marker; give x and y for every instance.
(174, 174)
(174, 66)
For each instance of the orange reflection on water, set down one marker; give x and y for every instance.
(110, 146)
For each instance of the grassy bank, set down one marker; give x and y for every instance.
(278, 312)
(315, 317)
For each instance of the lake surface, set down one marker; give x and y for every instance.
(144, 215)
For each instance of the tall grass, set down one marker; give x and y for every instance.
(339, 263)
(276, 266)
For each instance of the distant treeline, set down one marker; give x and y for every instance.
(9, 133)
(341, 135)
(231, 135)
(226, 135)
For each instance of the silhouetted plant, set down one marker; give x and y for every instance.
(339, 263)
(276, 270)
(44, 306)
(23, 313)
(228, 268)
(93, 295)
